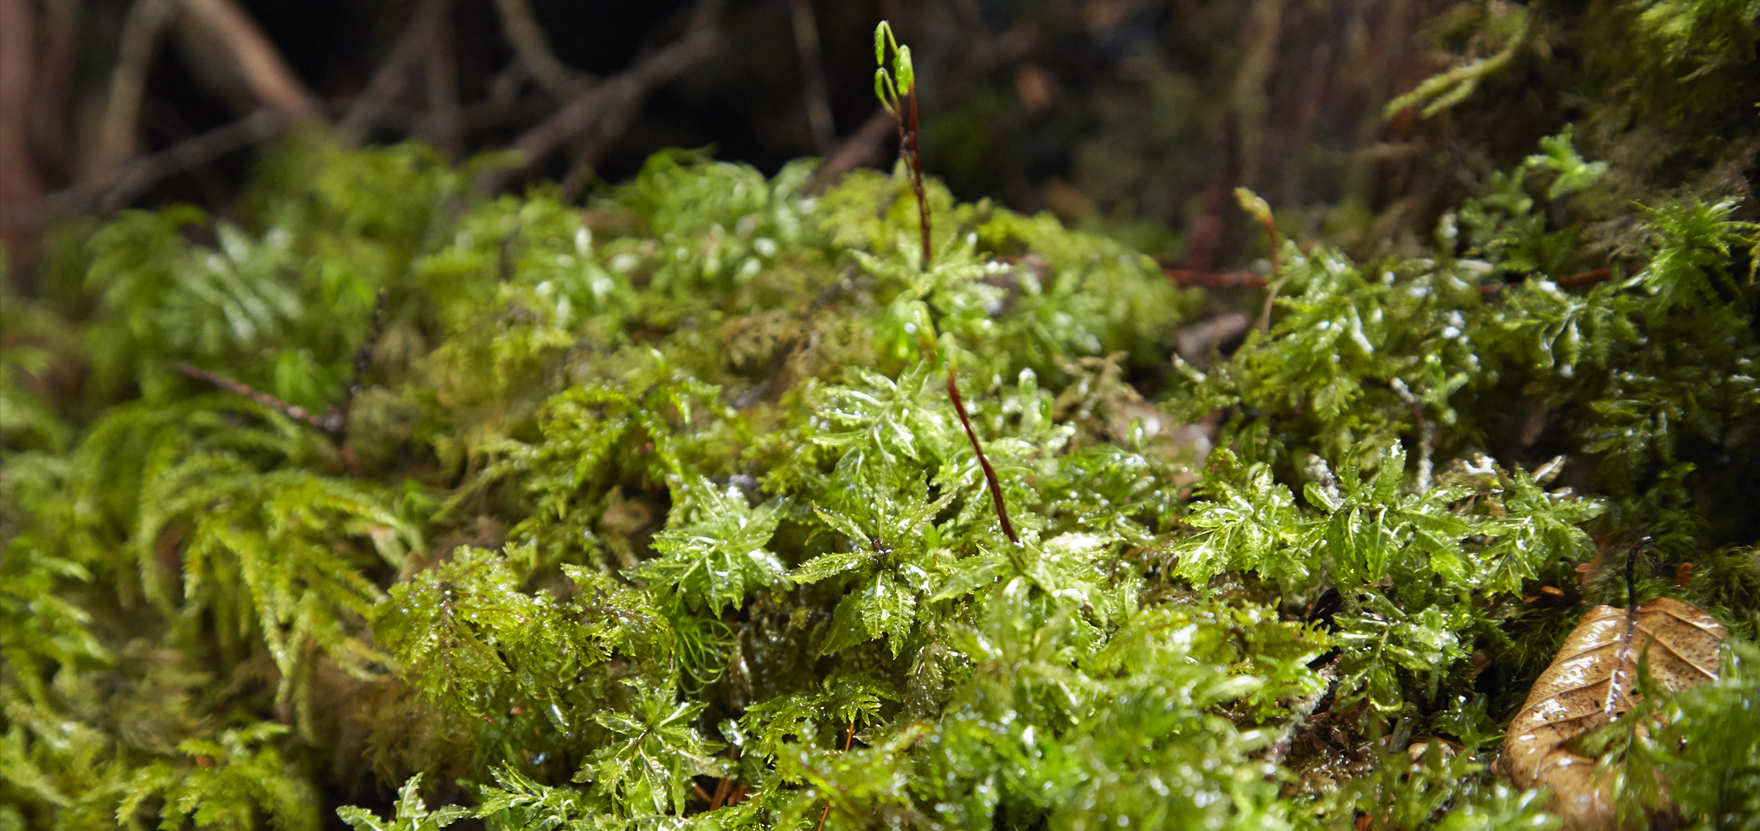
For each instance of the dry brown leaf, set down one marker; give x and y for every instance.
(1590, 682)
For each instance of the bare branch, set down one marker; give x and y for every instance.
(533, 48)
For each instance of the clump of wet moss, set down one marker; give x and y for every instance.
(658, 513)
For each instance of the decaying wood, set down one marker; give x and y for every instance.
(1590, 682)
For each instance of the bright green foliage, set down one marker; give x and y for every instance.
(412, 813)
(234, 778)
(658, 514)
(1708, 752)
(711, 559)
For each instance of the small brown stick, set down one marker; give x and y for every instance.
(722, 788)
(1580, 280)
(990, 479)
(117, 137)
(334, 421)
(1585, 279)
(330, 423)
(1187, 278)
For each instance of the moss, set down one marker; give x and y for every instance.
(659, 513)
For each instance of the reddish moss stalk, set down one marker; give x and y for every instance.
(959, 406)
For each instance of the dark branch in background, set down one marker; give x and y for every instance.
(859, 150)
(592, 147)
(231, 44)
(146, 21)
(389, 80)
(240, 52)
(990, 479)
(140, 175)
(700, 41)
(806, 40)
(444, 126)
(521, 28)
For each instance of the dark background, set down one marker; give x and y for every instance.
(1136, 117)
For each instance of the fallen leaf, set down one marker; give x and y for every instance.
(1590, 682)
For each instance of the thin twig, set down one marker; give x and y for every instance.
(328, 423)
(613, 121)
(389, 80)
(990, 479)
(806, 41)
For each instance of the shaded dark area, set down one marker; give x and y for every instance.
(1130, 115)
(1133, 116)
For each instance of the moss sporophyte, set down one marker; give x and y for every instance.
(722, 505)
